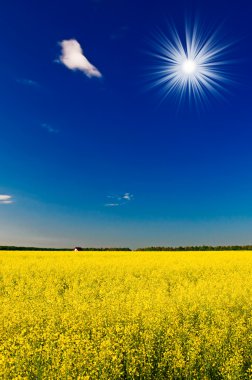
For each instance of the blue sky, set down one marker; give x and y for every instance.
(91, 157)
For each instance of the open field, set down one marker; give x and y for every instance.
(126, 315)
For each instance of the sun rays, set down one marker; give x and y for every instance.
(191, 65)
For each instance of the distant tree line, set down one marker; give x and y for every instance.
(15, 248)
(187, 248)
(200, 248)
(103, 249)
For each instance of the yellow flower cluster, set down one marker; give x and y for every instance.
(126, 315)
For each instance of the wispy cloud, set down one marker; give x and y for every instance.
(49, 128)
(127, 196)
(5, 199)
(28, 82)
(73, 58)
(119, 200)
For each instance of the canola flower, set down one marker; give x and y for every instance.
(126, 315)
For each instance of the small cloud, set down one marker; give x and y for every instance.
(119, 199)
(73, 58)
(28, 82)
(127, 196)
(49, 128)
(5, 199)
(112, 204)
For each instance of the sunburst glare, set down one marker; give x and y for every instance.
(192, 65)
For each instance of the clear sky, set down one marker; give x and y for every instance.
(89, 156)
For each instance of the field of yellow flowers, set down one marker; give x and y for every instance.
(126, 315)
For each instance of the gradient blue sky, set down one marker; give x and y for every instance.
(71, 146)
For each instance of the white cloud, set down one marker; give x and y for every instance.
(28, 82)
(5, 199)
(119, 199)
(73, 58)
(49, 128)
(127, 196)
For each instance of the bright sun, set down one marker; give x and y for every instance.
(189, 66)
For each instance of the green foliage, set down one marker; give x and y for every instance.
(15, 248)
(200, 248)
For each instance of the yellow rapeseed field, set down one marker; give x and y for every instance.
(126, 315)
